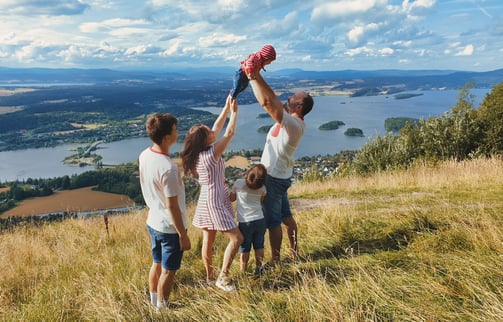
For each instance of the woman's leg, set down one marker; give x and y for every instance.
(235, 240)
(207, 253)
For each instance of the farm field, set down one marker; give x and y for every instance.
(78, 200)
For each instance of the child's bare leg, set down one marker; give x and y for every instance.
(259, 257)
(244, 261)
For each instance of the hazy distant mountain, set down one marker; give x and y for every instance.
(412, 78)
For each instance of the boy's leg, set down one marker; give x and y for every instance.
(153, 281)
(171, 262)
(240, 83)
(155, 269)
(165, 286)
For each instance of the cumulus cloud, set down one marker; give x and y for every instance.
(217, 40)
(418, 7)
(323, 34)
(110, 24)
(46, 7)
(278, 28)
(466, 51)
(358, 33)
(333, 10)
(386, 51)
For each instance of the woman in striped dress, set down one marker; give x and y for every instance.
(201, 158)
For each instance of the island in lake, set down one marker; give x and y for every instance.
(332, 125)
(263, 116)
(353, 131)
(406, 95)
(264, 129)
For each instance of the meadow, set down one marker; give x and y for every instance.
(424, 244)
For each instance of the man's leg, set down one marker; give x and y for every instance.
(275, 238)
(273, 212)
(291, 228)
(291, 225)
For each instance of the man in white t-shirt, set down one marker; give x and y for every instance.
(164, 193)
(281, 142)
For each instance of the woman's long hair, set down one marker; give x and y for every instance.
(195, 142)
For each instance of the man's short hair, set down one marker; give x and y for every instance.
(307, 104)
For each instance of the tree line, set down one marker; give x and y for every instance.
(464, 132)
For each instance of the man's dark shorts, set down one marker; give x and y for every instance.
(276, 206)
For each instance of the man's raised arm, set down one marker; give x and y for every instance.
(266, 97)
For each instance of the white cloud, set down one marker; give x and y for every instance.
(47, 7)
(321, 34)
(342, 9)
(220, 40)
(418, 7)
(386, 51)
(357, 34)
(109, 24)
(466, 51)
(359, 51)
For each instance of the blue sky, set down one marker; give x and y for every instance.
(312, 35)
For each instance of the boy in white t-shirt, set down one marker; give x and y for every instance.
(249, 194)
(164, 193)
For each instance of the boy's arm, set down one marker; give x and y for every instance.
(266, 97)
(176, 216)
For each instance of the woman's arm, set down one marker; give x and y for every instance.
(222, 144)
(220, 121)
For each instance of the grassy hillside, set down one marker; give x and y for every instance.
(421, 245)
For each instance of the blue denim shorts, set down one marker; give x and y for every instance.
(253, 234)
(276, 206)
(166, 249)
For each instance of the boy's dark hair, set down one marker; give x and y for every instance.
(255, 177)
(160, 125)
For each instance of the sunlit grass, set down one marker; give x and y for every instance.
(420, 245)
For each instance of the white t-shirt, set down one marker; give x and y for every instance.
(248, 205)
(280, 145)
(160, 179)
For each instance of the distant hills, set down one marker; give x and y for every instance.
(411, 79)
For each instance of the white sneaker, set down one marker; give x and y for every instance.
(225, 284)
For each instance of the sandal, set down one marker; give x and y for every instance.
(225, 284)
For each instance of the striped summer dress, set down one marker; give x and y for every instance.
(214, 209)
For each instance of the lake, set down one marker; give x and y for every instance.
(366, 113)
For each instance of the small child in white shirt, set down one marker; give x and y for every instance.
(249, 194)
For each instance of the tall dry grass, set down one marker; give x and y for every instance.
(420, 245)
